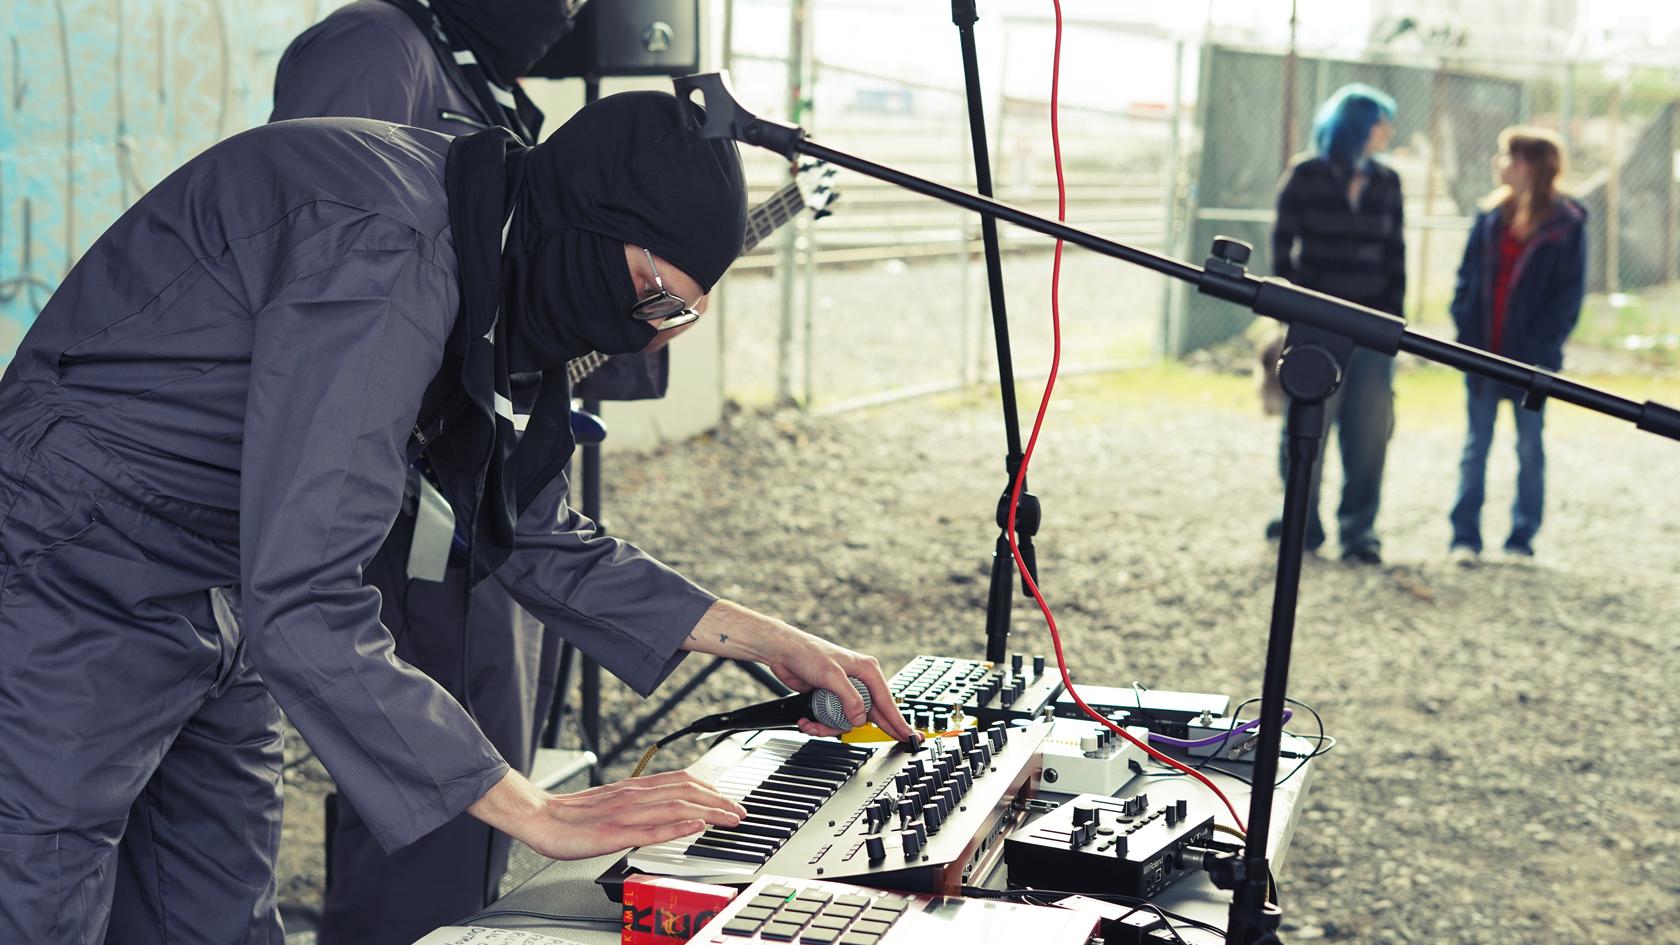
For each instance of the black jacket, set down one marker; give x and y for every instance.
(1354, 253)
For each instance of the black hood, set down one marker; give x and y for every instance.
(622, 170)
(507, 36)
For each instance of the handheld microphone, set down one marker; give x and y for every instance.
(820, 705)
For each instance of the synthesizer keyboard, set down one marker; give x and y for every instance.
(922, 818)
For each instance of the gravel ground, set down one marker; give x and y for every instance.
(1509, 734)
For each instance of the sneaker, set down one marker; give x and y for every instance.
(1464, 556)
(1519, 552)
(1367, 554)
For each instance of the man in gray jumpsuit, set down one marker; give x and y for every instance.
(204, 439)
(446, 66)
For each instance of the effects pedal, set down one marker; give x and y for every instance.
(932, 691)
(1086, 757)
(812, 912)
(1117, 845)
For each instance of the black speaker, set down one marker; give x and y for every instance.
(627, 37)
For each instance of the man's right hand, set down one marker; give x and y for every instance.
(605, 819)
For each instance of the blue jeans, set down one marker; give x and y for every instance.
(1482, 399)
(1363, 413)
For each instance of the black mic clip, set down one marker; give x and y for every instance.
(725, 117)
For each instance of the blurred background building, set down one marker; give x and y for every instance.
(1177, 120)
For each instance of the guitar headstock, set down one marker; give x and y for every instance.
(815, 180)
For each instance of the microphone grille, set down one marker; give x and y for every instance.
(827, 710)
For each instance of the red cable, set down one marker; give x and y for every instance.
(1038, 423)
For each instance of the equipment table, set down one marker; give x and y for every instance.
(568, 888)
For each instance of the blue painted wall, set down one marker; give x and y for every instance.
(99, 100)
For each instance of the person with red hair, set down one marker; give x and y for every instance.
(1518, 294)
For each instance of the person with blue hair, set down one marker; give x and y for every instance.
(1339, 231)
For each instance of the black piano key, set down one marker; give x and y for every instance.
(724, 853)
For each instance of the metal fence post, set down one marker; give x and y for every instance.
(1437, 96)
(1163, 342)
(807, 242)
(1613, 197)
(797, 11)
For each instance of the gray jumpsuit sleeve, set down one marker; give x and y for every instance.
(619, 605)
(353, 67)
(340, 358)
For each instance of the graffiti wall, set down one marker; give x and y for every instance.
(99, 100)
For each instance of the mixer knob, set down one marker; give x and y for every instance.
(998, 736)
(1015, 661)
(932, 816)
(964, 780)
(1038, 664)
(976, 760)
(1183, 809)
(1120, 844)
(912, 844)
(877, 848)
(902, 781)
(967, 740)
(1083, 814)
(1172, 815)
(941, 719)
(1090, 743)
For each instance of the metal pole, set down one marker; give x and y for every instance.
(1289, 66)
(808, 270)
(589, 672)
(1170, 197)
(797, 11)
(1613, 197)
(1436, 98)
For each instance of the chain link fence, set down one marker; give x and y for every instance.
(887, 297)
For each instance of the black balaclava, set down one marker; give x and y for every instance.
(539, 238)
(622, 170)
(507, 36)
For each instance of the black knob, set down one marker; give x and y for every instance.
(902, 781)
(877, 848)
(1172, 815)
(1015, 662)
(967, 740)
(1232, 250)
(1120, 844)
(985, 751)
(1083, 814)
(1183, 809)
(921, 833)
(1038, 664)
(999, 734)
(912, 844)
(976, 760)
(932, 816)
(941, 720)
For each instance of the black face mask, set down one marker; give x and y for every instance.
(569, 295)
(622, 170)
(508, 36)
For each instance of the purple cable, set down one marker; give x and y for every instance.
(1242, 729)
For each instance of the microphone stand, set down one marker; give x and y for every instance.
(1323, 331)
(1000, 593)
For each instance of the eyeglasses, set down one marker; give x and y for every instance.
(662, 307)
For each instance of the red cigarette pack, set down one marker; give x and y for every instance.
(663, 911)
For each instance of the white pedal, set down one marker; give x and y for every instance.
(1084, 757)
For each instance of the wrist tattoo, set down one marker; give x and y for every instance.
(723, 638)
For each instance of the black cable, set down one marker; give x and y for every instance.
(589, 920)
(980, 892)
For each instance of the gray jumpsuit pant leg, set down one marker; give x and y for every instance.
(164, 812)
